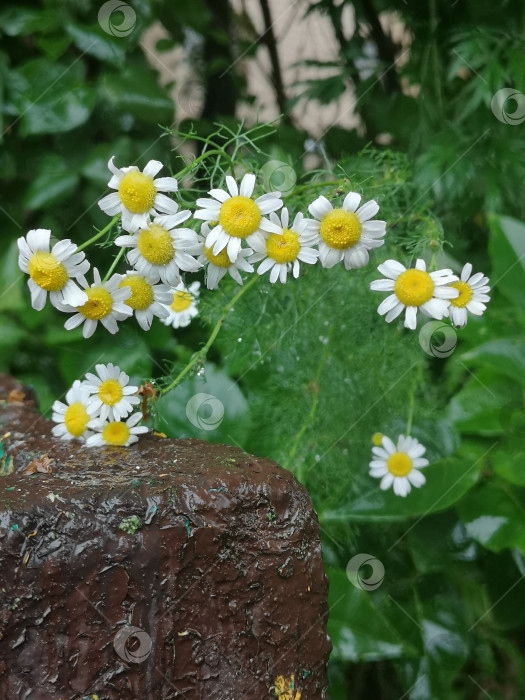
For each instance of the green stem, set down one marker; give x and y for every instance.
(113, 265)
(311, 414)
(413, 396)
(313, 185)
(98, 235)
(196, 161)
(201, 354)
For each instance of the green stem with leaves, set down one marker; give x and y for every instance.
(200, 356)
(98, 235)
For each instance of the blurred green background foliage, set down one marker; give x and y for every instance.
(308, 372)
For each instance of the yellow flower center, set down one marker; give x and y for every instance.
(414, 287)
(110, 392)
(76, 419)
(47, 272)
(377, 439)
(141, 292)
(115, 433)
(283, 247)
(137, 192)
(399, 464)
(98, 305)
(340, 229)
(155, 245)
(220, 260)
(465, 294)
(181, 301)
(239, 216)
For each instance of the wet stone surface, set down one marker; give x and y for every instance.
(170, 569)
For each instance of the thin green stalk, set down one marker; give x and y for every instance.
(98, 235)
(313, 185)
(195, 161)
(113, 265)
(419, 372)
(313, 408)
(201, 354)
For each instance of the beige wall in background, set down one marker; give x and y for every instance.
(298, 38)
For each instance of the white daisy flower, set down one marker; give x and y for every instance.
(147, 299)
(414, 289)
(161, 251)
(473, 293)
(104, 304)
(53, 271)
(218, 265)
(347, 233)
(281, 252)
(237, 216)
(138, 195)
(111, 396)
(183, 306)
(399, 465)
(117, 433)
(73, 418)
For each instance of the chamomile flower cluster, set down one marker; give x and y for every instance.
(99, 410)
(237, 231)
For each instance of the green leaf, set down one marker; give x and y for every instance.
(50, 97)
(135, 90)
(17, 21)
(128, 349)
(12, 281)
(477, 408)
(447, 482)
(210, 407)
(505, 355)
(357, 628)
(93, 40)
(507, 252)
(508, 460)
(53, 182)
(494, 516)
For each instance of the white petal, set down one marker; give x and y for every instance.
(152, 168)
(368, 210)
(247, 185)
(466, 272)
(411, 317)
(320, 207)
(232, 186)
(166, 184)
(382, 285)
(391, 269)
(351, 201)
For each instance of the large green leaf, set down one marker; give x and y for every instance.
(478, 409)
(507, 251)
(50, 97)
(447, 481)
(210, 407)
(53, 181)
(135, 90)
(504, 354)
(358, 629)
(12, 281)
(495, 516)
(16, 21)
(91, 39)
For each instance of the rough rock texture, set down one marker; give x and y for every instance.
(211, 554)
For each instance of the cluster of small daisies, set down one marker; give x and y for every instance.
(99, 410)
(237, 230)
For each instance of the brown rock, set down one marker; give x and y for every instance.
(170, 569)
